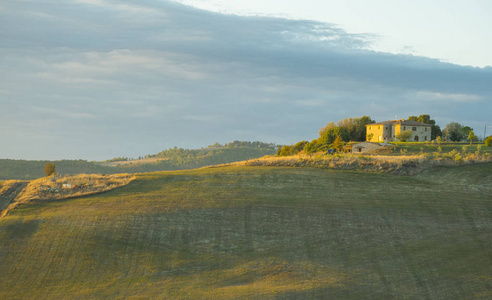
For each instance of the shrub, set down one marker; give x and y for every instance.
(451, 154)
(404, 135)
(49, 169)
(338, 143)
(488, 141)
(478, 153)
(285, 151)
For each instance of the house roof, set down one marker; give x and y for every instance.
(401, 122)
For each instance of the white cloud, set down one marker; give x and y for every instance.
(470, 98)
(101, 69)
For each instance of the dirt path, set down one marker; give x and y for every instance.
(9, 195)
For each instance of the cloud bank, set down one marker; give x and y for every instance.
(95, 79)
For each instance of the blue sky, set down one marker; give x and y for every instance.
(95, 79)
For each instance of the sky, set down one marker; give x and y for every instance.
(97, 79)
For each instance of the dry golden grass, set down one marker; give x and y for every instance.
(5, 185)
(8, 192)
(62, 187)
(398, 165)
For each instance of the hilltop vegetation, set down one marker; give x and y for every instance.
(171, 159)
(257, 232)
(349, 130)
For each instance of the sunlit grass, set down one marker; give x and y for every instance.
(257, 232)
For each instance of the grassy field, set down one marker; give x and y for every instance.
(409, 148)
(258, 232)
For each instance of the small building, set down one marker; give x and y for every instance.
(347, 149)
(388, 130)
(365, 147)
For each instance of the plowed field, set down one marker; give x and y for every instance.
(258, 233)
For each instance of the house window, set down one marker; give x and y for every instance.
(404, 127)
(425, 137)
(414, 128)
(425, 128)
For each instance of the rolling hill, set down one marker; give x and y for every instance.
(170, 159)
(258, 232)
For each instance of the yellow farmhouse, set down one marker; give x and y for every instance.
(388, 130)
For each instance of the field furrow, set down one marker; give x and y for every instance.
(255, 232)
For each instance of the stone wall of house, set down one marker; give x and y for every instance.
(388, 132)
(377, 132)
(364, 147)
(422, 132)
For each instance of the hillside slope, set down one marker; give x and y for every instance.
(171, 159)
(258, 232)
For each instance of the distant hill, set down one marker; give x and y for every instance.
(166, 160)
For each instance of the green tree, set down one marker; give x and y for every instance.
(49, 169)
(327, 127)
(338, 143)
(404, 135)
(466, 131)
(356, 127)
(299, 147)
(286, 151)
(456, 132)
(360, 128)
(472, 137)
(488, 141)
(315, 146)
(331, 134)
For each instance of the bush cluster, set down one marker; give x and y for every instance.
(488, 141)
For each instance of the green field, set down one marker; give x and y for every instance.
(261, 233)
(416, 147)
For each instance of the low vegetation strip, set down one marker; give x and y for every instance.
(61, 187)
(397, 165)
(8, 191)
(258, 233)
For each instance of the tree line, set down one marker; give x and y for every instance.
(171, 159)
(332, 136)
(336, 135)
